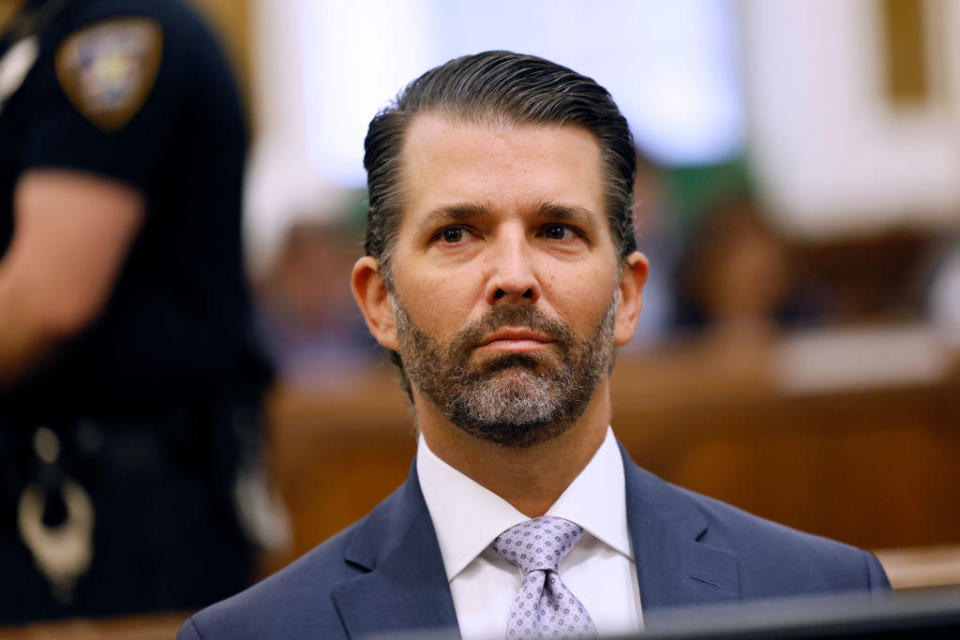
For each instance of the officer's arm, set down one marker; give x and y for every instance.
(71, 236)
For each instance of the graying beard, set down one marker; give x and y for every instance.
(531, 409)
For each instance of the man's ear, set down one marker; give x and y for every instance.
(370, 292)
(631, 297)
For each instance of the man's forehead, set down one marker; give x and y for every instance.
(436, 126)
(441, 151)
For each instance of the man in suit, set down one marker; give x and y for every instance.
(502, 272)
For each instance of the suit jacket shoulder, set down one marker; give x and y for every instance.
(776, 560)
(382, 574)
(692, 549)
(296, 597)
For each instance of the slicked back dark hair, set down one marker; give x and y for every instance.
(493, 87)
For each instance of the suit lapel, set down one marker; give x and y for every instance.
(673, 567)
(406, 587)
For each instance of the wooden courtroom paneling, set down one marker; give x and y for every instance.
(336, 454)
(871, 467)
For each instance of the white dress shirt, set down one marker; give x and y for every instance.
(600, 570)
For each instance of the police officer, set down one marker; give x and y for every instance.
(129, 378)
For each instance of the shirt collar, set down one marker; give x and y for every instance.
(467, 516)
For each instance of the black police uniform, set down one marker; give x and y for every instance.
(155, 404)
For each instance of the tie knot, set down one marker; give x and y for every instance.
(538, 544)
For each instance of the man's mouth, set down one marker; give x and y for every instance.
(515, 340)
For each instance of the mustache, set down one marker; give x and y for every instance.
(525, 317)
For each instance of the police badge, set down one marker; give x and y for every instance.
(107, 69)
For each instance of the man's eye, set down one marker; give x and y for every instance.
(556, 232)
(452, 235)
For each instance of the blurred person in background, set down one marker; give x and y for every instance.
(943, 293)
(732, 285)
(658, 238)
(307, 316)
(733, 278)
(130, 380)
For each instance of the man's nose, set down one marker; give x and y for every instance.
(513, 278)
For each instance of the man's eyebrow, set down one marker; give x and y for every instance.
(581, 216)
(462, 211)
(452, 213)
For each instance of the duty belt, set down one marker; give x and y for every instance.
(50, 471)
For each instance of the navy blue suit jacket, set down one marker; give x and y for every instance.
(385, 574)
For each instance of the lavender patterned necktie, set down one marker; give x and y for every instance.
(545, 607)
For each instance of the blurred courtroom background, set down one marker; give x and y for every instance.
(799, 200)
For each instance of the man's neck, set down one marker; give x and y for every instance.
(529, 478)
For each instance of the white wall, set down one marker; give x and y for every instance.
(833, 156)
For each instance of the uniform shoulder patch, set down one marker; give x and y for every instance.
(107, 69)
